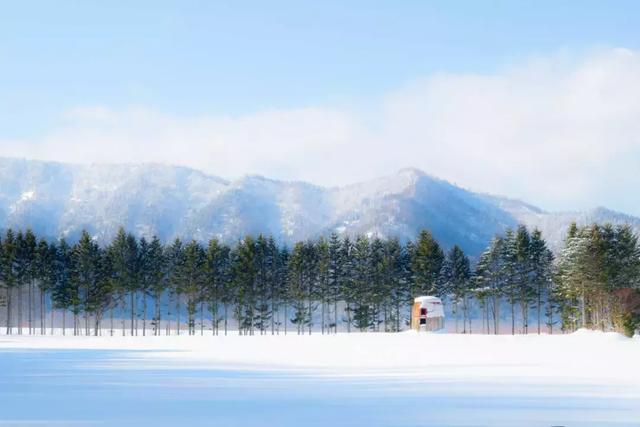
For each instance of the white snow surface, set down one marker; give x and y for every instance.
(584, 356)
(584, 379)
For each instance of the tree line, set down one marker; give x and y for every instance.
(138, 286)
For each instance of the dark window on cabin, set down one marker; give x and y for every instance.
(423, 321)
(423, 312)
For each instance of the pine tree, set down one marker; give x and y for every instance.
(45, 257)
(346, 284)
(283, 291)
(273, 280)
(323, 280)
(63, 295)
(264, 265)
(192, 278)
(151, 278)
(175, 260)
(21, 269)
(154, 267)
(455, 279)
(91, 292)
(28, 255)
(363, 295)
(244, 273)
(509, 271)
(524, 271)
(426, 264)
(491, 281)
(542, 277)
(217, 281)
(335, 274)
(9, 273)
(298, 290)
(396, 284)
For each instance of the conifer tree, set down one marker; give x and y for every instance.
(283, 289)
(264, 267)
(524, 274)
(491, 280)
(298, 290)
(175, 260)
(362, 291)
(28, 258)
(455, 279)
(509, 266)
(346, 284)
(335, 274)
(193, 277)
(324, 290)
(45, 257)
(542, 274)
(154, 266)
(244, 282)
(64, 296)
(426, 264)
(9, 273)
(396, 282)
(217, 281)
(92, 294)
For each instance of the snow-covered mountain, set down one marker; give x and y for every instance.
(57, 199)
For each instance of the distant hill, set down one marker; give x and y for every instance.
(57, 199)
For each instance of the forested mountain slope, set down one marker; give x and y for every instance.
(57, 199)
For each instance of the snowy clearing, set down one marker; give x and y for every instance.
(586, 378)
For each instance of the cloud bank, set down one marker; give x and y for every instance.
(560, 132)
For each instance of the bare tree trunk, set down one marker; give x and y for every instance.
(30, 305)
(19, 310)
(9, 307)
(132, 311)
(335, 313)
(348, 318)
(86, 323)
(96, 324)
(201, 318)
(539, 306)
(226, 311)
(156, 307)
(43, 319)
(169, 313)
(273, 314)
(285, 318)
(178, 314)
(309, 309)
(583, 310)
(455, 313)
(52, 312)
(496, 315)
(513, 318)
(322, 317)
(144, 314)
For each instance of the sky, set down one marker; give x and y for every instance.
(536, 100)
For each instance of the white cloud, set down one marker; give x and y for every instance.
(563, 133)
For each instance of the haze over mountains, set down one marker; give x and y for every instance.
(57, 199)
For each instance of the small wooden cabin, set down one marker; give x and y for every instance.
(427, 314)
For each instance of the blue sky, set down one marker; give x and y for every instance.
(67, 65)
(235, 57)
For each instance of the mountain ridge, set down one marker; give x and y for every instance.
(60, 199)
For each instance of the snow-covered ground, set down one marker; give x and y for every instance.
(406, 379)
